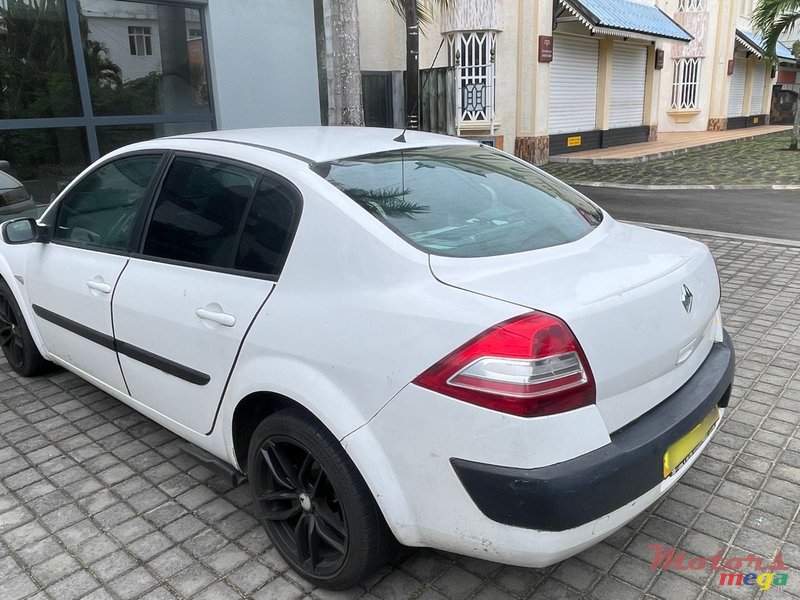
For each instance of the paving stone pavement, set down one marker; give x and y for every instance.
(97, 501)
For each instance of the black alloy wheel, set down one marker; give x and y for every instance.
(11, 334)
(15, 338)
(313, 502)
(301, 506)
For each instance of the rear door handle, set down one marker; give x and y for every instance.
(222, 318)
(99, 286)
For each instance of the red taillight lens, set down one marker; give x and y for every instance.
(528, 366)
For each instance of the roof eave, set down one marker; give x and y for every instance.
(596, 26)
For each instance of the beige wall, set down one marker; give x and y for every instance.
(382, 37)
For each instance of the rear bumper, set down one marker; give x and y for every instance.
(574, 492)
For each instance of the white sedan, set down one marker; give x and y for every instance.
(415, 339)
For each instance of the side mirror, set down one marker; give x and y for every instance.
(24, 231)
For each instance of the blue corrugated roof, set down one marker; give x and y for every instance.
(630, 16)
(781, 51)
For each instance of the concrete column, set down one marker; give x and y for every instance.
(652, 92)
(604, 72)
(724, 14)
(766, 102)
(532, 143)
(748, 87)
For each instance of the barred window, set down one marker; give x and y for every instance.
(691, 5)
(472, 53)
(140, 40)
(685, 83)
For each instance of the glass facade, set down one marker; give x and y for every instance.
(79, 78)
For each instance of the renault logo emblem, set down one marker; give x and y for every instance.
(686, 299)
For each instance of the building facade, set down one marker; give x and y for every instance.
(543, 78)
(79, 78)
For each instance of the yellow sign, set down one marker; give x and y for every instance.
(573, 141)
(755, 120)
(679, 452)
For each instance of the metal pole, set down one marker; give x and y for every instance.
(412, 65)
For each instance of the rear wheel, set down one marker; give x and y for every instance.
(15, 338)
(313, 502)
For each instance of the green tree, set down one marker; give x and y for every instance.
(773, 19)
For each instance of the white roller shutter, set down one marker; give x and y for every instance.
(628, 72)
(736, 96)
(757, 90)
(573, 84)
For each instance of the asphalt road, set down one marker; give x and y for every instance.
(768, 213)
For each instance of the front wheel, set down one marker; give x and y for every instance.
(313, 502)
(15, 338)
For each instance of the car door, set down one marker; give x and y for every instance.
(70, 281)
(207, 265)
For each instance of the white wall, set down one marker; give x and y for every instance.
(112, 32)
(263, 62)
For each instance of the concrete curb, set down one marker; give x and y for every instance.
(636, 186)
(723, 234)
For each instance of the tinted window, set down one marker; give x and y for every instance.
(464, 200)
(100, 210)
(199, 211)
(268, 228)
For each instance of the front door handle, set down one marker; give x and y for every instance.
(222, 318)
(99, 286)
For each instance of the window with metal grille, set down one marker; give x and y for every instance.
(685, 83)
(691, 5)
(141, 41)
(472, 53)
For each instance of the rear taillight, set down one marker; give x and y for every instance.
(529, 366)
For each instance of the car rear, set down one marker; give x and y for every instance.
(547, 431)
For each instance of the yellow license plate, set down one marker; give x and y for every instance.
(679, 452)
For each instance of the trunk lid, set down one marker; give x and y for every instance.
(621, 291)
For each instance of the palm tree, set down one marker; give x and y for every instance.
(343, 65)
(773, 18)
(342, 62)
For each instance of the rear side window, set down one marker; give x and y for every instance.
(100, 210)
(199, 212)
(464, 201)
(268, 227)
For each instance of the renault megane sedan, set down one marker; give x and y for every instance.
(396, 338)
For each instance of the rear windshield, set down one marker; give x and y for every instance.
(463, 200)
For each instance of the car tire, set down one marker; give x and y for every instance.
(15, 338)
(313, 502)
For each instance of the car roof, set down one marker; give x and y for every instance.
(8, 182)
(323, 144)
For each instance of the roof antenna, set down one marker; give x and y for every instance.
(402, 137)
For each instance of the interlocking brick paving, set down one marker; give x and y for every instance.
(97, 501)
(762, 161)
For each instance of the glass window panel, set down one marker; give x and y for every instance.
(111, 137)
(269, 227)
(44, 160)
(199, 211)
(144, 58)
(37, 70)
(100, 210)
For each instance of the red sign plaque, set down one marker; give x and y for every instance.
(545, 48)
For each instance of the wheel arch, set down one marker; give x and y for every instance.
(7, 276)
(249, 413)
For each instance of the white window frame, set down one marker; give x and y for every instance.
(691, 5)
(140, 39)
(473, 55)
(686, 83)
